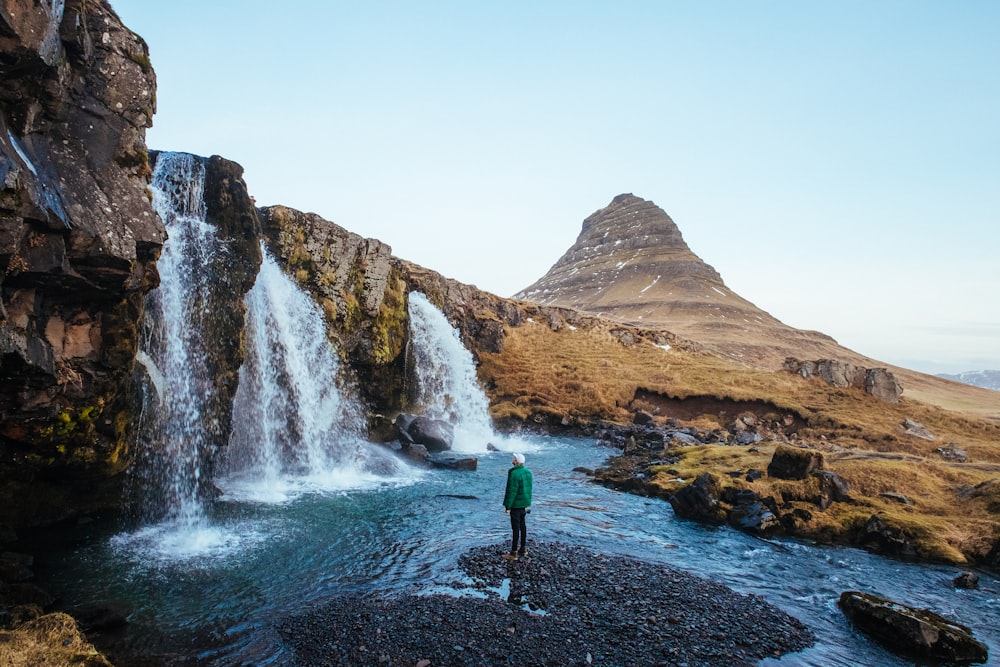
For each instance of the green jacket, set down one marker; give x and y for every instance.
(518, 488)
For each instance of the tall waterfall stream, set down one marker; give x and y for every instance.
(309, 509)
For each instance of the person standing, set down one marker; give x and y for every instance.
(517, 503)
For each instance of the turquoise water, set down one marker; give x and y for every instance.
(214, 593)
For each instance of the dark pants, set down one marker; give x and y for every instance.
(519, 529)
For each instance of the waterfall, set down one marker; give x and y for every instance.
(174, 440)
(445, 376)
(296, 426)
(296, 423)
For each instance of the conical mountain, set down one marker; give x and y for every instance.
(630, 263)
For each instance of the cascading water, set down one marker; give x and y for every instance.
(445, 375)
(295, 426)
(174, 438)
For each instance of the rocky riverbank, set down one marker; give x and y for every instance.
(561, 606)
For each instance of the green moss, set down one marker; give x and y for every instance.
(390, 327)
(142, 60)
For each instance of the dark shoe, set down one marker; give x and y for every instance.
(508, 556)
(523, 554)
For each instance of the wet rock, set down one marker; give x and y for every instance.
(912, 631)
(876, 534)
(794, 462)
(966, 580)
(754, 517)
(434, 434)
(453, 462)
(699, 500)
(78, 245)
(416, 453)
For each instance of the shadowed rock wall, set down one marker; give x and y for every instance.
(78, 242)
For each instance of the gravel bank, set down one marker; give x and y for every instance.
(561, 606)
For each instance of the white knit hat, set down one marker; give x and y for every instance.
(519, 458)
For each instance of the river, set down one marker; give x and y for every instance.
(213, 594)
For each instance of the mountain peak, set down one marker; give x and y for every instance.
(631, 263)
(629, 256)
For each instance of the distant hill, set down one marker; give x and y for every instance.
(984, 379)
(630, 263)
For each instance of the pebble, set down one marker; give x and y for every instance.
(634, 613)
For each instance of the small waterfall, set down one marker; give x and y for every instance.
(174, 440)
(295, 425)
(445, 375)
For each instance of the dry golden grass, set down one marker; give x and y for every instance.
(52, 639)
(589, 374)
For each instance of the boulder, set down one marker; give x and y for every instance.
(952, 453)
(642, 418)
(877, 382)
(912, 631)
(916, 429)
(966, 580)
(435, 434)
(883, 538)
(754, 517)
(453, 461)
(832, 488)
(402, 423)
(882, 384)
(699, 500)
(794, 463)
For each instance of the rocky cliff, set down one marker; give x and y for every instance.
(78, 244)
(630, 263)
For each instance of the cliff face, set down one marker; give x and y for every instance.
(363, 290)
(78, 244)
(630, 263)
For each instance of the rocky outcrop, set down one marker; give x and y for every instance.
(879, 382)
(912, 631)
(78, 243)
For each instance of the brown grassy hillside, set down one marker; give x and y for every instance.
(557, 373)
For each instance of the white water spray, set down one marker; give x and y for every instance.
(296, 425)
(174, 437)
(445, 375)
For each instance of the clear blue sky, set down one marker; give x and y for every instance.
(838, 163)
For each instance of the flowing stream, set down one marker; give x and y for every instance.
(309, 510)
(221, 605)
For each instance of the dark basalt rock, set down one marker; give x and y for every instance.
(699, 500)
(453, 461)
(912, 631)
(78, 244)
(434, 434)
